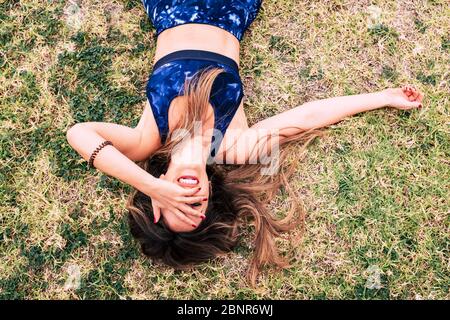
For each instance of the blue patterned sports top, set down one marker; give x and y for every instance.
(169, 73)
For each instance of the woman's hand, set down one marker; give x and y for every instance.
(175, 199)
(404, 98)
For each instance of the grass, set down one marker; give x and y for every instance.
(376, 187)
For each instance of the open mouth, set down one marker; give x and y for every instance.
(188, 180)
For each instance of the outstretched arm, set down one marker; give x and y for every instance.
(314, 115)
(322, 113)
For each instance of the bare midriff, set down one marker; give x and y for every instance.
(195, 36)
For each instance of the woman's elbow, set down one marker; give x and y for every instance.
(73, 132)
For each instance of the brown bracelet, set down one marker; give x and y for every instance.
(94, 154)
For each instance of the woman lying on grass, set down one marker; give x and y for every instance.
(186, 207)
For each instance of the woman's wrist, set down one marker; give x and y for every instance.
(385, 98)
(148, 184)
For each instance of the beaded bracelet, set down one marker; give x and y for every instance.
(94, 154)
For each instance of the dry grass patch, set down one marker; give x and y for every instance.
(375, 187)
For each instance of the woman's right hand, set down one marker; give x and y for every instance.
(175, 199)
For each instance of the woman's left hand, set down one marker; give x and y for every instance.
(405, 98)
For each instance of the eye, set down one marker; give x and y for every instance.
(197, 204)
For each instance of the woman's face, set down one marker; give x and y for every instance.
(188, 170)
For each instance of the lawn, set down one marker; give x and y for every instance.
(376, 186)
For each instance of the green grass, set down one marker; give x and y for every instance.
(376, 187)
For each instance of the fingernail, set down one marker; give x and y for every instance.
(204, 199)
(203, 217)
(194, 225)
(154, 220)
(420, 105)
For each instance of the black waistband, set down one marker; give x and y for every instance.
(198, 55)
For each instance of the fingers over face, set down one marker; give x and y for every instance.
(192, 199)
(183, 217)
(188, 210)
(156, 212)
(191, 191)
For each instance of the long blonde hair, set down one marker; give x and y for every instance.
(240, 194)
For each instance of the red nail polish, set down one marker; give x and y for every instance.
(194, 225)
(203, 217)
(154, 220)
(204, 199)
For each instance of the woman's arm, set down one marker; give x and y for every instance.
(314, 115)
(131, 144)
(322, 113)
(117, 160)
(137, 143)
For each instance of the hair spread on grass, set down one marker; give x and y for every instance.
(238, 195)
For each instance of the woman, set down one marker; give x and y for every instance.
(186, 208)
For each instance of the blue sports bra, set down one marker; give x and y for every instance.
(167, 82)
(167, 79)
